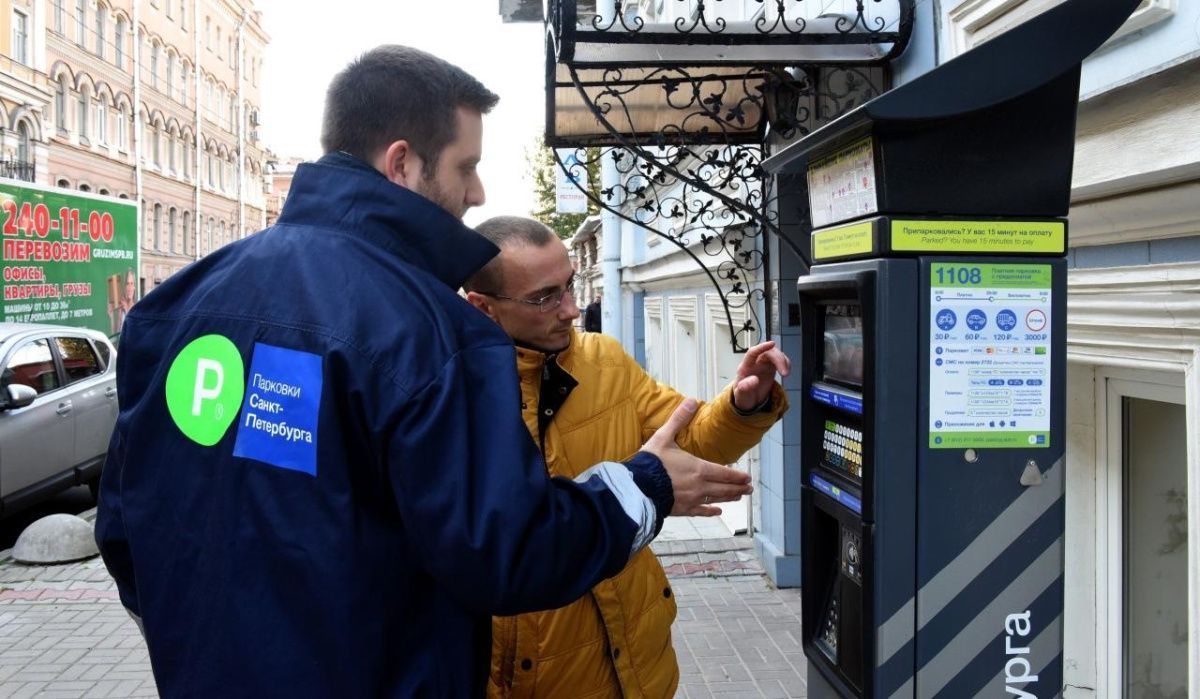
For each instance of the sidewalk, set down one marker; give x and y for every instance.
(735, 635)
(63, 632)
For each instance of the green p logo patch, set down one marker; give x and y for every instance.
(205, 388)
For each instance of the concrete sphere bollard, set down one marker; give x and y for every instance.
(55, 539)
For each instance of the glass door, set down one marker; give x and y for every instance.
(1146, 628)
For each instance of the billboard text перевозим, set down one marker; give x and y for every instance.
(68, 258)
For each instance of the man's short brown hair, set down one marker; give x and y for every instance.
(395, 93)
(505, 231)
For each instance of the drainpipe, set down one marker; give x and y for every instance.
(610, 255)
(199, 125)
(137, 131)
(241, 83)
(611, 317)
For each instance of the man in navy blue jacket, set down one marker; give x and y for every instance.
(319, 483)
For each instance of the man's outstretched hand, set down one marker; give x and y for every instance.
(756, 375)
(697, 483)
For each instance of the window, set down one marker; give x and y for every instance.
(101, 21)
(208, 236)
(102, 122)
(23, 152)
(154, 48)
(81, 22)
(212, 175)
(60, 16)
(157, 226)
(171, 152)
(122, 128)
(187, 232)
(183, 84)
(103, 350)
(83, 114)
(232, 52)
(31, 365)
(187, 147)
(156, 145)
(170, 75)
(60, 105)
(171, 230)
(78, 358)
(20, 37)
(218, 43)
(119, 44)
(183, 15)
(208, 33)
(170, 9)
(221, 239)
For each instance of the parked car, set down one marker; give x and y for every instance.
(58, 405)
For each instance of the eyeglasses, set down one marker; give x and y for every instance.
(545, 304)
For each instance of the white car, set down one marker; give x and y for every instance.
(58, 405)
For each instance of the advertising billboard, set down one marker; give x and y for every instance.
(67, 257)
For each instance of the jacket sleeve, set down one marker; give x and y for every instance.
(482, 513)
(717, 433)
(111, 537)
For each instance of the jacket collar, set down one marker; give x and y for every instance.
(342, 193)
(531, 359)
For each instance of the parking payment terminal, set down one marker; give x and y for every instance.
(933, 366)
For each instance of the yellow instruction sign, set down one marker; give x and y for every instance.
(1019, 237)
(843, 241)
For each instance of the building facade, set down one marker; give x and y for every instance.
(24, 91)
(279, 183)
(155, 101)
(584, 248)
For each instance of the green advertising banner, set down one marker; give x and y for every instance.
(68, 258)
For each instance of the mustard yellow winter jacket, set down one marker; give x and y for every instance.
(590, 403)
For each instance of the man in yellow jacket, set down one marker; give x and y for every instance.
(585, 400)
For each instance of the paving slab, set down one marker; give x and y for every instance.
(63, 632)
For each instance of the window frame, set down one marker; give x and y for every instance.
(1112, 385)
(82, 117)
(81, 23)
(119, 43)
(101, 29)
(20, 40)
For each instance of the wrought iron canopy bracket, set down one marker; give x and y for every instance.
(689, 99)
(744, 60)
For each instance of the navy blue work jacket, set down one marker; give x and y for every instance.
(375, 497)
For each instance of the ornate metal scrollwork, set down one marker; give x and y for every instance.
(723, 241)
(847, 25)
(687, 141)
(712, 198)
(619, 16)
(625, 20)
(764, 27)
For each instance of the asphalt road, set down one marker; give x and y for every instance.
(72, 501)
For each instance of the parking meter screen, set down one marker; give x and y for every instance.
(843, 355)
